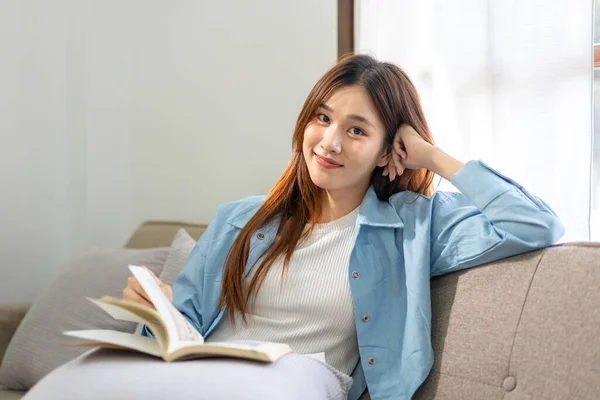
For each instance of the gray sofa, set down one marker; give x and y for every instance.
(527, 327)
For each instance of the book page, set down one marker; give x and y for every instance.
(240, 344)
(246, 349)
(99, 337)
(117, 312)
(178, 328)
(148, 314)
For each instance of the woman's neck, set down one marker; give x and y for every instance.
(335, 205)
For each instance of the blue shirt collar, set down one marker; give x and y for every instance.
(372, 212)
(375, 212)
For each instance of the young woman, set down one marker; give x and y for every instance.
(337, 258)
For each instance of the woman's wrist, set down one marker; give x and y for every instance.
(443, 164)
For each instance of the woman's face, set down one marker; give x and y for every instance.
(344, 142)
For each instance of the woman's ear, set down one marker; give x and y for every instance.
(385, 158)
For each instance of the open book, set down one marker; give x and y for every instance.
(176, 338)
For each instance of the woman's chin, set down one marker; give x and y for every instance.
(326, 184)
(321, 182)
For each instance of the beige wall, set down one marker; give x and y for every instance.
(115, 112)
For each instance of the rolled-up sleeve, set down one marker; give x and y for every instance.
(493, 217)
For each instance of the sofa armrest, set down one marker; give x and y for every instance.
(10, 317)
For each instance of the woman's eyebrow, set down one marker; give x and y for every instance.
(355, 117)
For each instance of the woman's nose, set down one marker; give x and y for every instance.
(331, 141)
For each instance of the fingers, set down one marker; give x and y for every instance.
(398, 163)
(136, 288)
(134, 285)
(394, 168)
(398, 148)
(130, 294)
(168, 291)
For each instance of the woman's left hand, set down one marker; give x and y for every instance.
(409, 151)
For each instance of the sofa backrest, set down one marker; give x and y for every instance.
(526, 327)
(161, 233)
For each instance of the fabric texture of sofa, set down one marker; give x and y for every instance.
(526, 327)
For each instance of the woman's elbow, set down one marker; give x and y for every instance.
(551, 230)
(539, 231)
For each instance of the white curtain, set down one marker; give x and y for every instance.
(508, 82)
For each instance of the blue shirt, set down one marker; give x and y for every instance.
(400, 245)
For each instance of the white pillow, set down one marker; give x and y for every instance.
(180, 250)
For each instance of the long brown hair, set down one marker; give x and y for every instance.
(296, 199)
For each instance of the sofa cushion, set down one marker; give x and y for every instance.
(37, 346)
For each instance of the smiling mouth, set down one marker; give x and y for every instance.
(326, 163)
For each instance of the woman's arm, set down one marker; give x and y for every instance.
(493, 217)
(442, 164)
(411, 151)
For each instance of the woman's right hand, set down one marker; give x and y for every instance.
(134, 291)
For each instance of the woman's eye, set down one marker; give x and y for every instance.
(323, 118)
(357, 131)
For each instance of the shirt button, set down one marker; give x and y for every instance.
(261, 236)
(371, 360)
(365, 318)
(355, 275)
